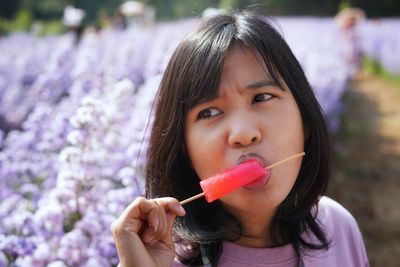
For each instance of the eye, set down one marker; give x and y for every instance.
(208, 113)
(262, 97)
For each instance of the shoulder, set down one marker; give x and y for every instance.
(331, 213)
(336, 220)
(346, 243)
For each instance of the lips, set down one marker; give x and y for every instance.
(260, 182)
(248, 156)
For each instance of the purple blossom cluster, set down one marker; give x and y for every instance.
(61, 211)
(37, 70)
(381, 42)
(316, 43)
(32, 69)
(73, 158)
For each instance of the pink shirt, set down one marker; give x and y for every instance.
(346, 250)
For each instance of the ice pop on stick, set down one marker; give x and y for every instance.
(231, 179)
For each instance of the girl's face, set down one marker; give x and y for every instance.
(250, 118)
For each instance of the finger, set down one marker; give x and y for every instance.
(138, 209)
(164, 231)
(148, 235)
(173, 208)
(153, 217)
(163, 227)
(143, 212)
(142, 206)
(172, 205)
(156, 223)
(134, 218)
(170, 220)
(163, 212)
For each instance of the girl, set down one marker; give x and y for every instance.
(234, 91)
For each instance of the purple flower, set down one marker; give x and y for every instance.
(3, 259)
(57, 263)
(72, 248)
(49, 219)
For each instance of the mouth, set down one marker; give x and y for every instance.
(260, 182)
(248, 156)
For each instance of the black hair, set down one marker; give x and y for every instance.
(193, 76)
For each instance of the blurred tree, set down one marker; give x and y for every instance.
(8, 8)
(93, 8)
(229, 3)
(379, 8)
(23, 20)
(287, 7)
(50, 9)
(180, 8)
(171, 9)
(240, 3)
(344, 4)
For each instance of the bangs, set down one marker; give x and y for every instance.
(204, 54)
(262, 39)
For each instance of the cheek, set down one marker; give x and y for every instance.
(291, 129)
(203, 151)
(300, 133)
(294, 143)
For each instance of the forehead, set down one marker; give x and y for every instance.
(239, 52)
(245, 68)
(243, 63)
(239, 63)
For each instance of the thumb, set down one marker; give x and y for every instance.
(170, 222)
(172, 209)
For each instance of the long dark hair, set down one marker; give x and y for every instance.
(192, 76)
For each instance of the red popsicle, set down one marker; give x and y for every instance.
(231, 179)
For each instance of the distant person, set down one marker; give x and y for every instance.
(347, 21)
(119, 21)
(72, 19)
(132, 12)
(233, 91)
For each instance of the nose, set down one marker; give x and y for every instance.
(244, 132)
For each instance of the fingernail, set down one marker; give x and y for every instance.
(181, 210)
(155, 226)
(149, 239)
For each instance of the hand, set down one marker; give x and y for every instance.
(143, 232)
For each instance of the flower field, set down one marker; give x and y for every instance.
(75, 120)
(381, 41)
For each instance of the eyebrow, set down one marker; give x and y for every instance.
(262, 83)
(251, 86)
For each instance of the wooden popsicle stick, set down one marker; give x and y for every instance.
(267, 168)
(192, 198)
(284, 160)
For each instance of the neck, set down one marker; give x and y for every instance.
(256, 228)
(254, 242)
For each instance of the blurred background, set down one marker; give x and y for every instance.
(77, 83)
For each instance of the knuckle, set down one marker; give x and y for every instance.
(116, 227)
(140, 199)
